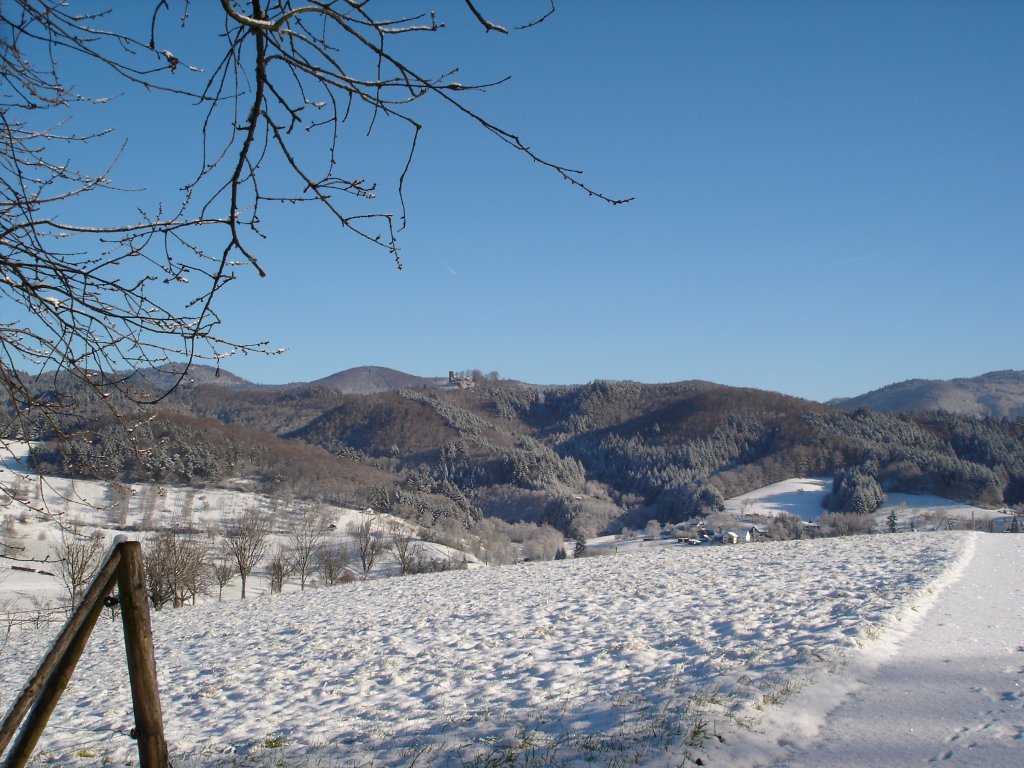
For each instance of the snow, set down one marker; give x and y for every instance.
(30, 526)
(931, 512)
(802, 498)
(953, 692)
(893, 649)
(632, 654)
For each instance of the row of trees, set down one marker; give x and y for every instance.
(184, 563)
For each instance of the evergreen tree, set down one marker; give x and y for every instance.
(581, 547)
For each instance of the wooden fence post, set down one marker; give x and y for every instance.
(50, 680)
(124, 567)
(138, 644)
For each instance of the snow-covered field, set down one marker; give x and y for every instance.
(658, 655)
(802, 497)
(648, 658)
(31, 534)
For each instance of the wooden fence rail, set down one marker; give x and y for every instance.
(123, 567)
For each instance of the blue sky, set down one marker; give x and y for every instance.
(829, 199)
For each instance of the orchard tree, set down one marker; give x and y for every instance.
(400, 541)
(279, 568)
(177, 567)
(306, 532)
(106, 275)
(331, 562)
(223, 571)
(77, 555)
(367, 542)
(245, 542)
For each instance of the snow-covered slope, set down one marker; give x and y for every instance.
(802, 497)
(31, 527)
(649, 658)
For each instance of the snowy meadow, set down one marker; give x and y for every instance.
(659, 657)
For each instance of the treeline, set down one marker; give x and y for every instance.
(950, 455)
(177, 448)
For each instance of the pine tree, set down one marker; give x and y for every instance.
(581, 547)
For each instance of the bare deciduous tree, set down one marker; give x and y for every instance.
(305, 539)
(223, 572)
(99, 277)
(8, 535)
(160, 559)
(197, 573)
(177, 568)
(845, 523)
(368, 542)
(493, 541)
(541, 543)
(77, 557)
(400, 539)
(245, 542)
(332, 562)
(279, 567)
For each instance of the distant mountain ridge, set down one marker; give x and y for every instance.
(371, 379)
(168, 375)
(999, 393)
(593, 457)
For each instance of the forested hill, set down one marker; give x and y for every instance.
(1000, 393)
(591, 457)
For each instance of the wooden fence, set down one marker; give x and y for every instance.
(123, 567)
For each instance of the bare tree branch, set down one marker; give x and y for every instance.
(95, 290)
